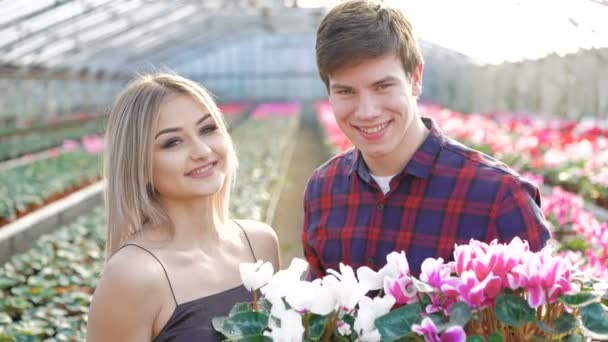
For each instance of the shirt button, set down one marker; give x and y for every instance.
(380, 206)
(370, 260)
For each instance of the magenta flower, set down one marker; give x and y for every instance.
(70, 145)
(497, 259)
(440, 303)
(93, 144)
(545, 278)
(428, 329)
(402, 289)
(478, 294)
(434, 272)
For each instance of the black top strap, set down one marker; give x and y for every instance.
(246, 237)
(161, 265)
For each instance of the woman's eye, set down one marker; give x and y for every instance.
(208, 129)
(171, 143)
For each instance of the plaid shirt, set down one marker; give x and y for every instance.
(447, 194)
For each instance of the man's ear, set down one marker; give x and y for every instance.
(417, 80)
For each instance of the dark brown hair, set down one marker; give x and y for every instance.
(356, 30)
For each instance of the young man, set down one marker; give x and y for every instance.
(405, 186)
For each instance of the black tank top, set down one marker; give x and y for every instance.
(191, 321)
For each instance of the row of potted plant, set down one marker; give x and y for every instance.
(27, 186)
(570, 154)
(37, 141)
(261, 143)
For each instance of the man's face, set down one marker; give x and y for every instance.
(374, 104)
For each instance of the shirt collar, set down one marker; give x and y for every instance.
(422, 161)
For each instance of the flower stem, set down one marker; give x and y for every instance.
(255, 300)
(329, 327)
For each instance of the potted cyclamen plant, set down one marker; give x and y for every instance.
(491, 292)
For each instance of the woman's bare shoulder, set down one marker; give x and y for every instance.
(128, 297)
(264, 241)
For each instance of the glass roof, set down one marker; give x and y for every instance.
(117, 34)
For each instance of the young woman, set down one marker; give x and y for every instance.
(173, 252)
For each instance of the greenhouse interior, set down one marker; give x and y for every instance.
(316, 187)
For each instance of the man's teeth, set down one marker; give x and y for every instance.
(374, 129)
(201, 170)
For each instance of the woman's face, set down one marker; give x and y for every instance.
(189, 158)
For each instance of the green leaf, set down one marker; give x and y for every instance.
(580, 299)
(255, 338)
(348, 319)
(576, 337)
(561, 325)
(6, 282)
(250, 323)
(398, 323)
(437, 318)
(460, 314)
(411, 337)
(475, 338)
(5, 318)
(239, 307)
(595, 319)
(496, 337)
(316, 326)
(513, 311)
(226, 327)
(18, 303)
(25, 338)
(266, 306)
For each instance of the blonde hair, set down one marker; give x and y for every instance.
(129, 194)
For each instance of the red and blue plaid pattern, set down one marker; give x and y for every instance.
(446, 195)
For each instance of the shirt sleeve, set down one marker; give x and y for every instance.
(519, 214)
(314, 263)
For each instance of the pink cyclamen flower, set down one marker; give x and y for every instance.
(434, 272)
(70, 145)
(544, 277)
(440, 303)
(53, 152)
(428, 329)
(93, 144)
(402, 289)
(478, 294)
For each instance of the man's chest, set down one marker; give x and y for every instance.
(362, 230)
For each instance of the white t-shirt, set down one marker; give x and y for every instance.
(383, 182)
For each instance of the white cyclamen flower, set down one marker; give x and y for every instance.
(255, 275)
(370, 278)
(291, 330)
(372, 336)
(347, 290)
(396, 266)
(311, 296)
(277, 308)
(369, 310)
(284, 281)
